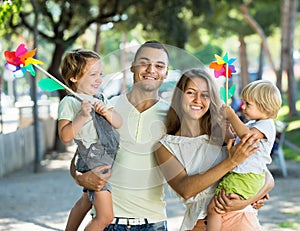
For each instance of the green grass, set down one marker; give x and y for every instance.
(290, 154)
(291, 224)
(293, 131)
(287, 224)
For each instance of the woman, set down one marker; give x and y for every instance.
(192, 157)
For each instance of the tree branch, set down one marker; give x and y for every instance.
(257, 28)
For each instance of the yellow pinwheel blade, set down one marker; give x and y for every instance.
(32, 61)
(219, 59)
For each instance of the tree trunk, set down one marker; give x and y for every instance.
(97, 39)
(284, 42)
(54, 70)
(257, 28)
(39, 155)
(56, 60)
(292, 84)
(261, 63)
(243, 64)
(289, 10)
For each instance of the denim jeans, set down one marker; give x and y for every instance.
(160, 226)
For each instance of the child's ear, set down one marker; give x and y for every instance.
(74, 80)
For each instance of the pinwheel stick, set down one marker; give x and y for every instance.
(226, 86)
(59, 82)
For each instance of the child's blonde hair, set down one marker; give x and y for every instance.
(73, 65)
(265, 95)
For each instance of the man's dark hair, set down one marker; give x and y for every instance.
(152, 44)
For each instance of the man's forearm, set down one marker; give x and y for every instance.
(73, 171)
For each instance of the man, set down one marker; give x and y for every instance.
(137, 183)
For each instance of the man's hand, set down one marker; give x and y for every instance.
(94, 179)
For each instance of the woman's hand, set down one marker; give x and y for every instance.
(245, 148)
(232, 202)
(261, 202)
(227, 203)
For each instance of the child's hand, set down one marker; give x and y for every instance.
(227, 111)
(100, 108)
(227, 125)
(86, 108)
(230, 134)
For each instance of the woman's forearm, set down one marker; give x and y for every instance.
(199, 182)
(188, 186)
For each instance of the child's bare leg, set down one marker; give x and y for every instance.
(214, 220)
(78, 212)
(104, 211)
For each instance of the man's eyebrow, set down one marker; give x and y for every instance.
(144, 58)
(150, 60)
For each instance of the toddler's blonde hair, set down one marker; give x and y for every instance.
(265, 95)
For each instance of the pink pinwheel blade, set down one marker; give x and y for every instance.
(221, 72)
(21, 50)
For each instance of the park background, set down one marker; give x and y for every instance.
(262, 35)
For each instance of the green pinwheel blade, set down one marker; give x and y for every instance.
(30, 69)
(223, 94)
(230, 92)
(50, 85)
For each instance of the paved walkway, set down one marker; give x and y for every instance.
(42, 201)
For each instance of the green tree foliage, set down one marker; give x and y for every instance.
(8, 9)
(61, 23)
(206, 53)
(223, 18)
(159, 20)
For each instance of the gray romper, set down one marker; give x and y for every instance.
(103, 152)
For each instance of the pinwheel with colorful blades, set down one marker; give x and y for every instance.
(223, 67)
(22, 60)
